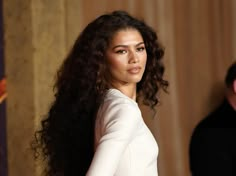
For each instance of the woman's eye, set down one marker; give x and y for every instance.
(121, 51)
(140, 48)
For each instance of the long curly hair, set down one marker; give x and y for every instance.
(66, 138)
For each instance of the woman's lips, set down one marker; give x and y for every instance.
(134, 70)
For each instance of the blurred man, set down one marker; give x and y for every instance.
(213, 143)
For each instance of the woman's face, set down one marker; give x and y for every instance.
(126, 57)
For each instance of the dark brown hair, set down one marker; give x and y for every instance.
(230, 75)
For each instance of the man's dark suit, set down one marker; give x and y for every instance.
(213, 144)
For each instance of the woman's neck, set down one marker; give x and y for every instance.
(128, 89)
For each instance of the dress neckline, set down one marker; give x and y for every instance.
(116, 91)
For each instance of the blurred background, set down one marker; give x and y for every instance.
(199, 37)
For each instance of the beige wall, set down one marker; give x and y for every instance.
(199, 38)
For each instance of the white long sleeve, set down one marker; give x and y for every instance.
(124, 145)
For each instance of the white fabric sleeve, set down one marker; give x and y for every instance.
(120, 124)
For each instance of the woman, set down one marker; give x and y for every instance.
(94, 126)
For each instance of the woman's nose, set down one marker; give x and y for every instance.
(133, 57)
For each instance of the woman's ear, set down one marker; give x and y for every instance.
(234, 86)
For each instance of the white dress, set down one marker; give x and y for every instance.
(124, 146)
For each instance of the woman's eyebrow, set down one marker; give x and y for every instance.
(125, 46)
(140, 43)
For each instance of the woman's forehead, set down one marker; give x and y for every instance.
(125, 36)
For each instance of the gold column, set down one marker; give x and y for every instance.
(34, 36)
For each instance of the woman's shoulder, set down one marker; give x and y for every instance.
(117, 105)
(116, 99)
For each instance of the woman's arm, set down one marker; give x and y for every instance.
(120, 124)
